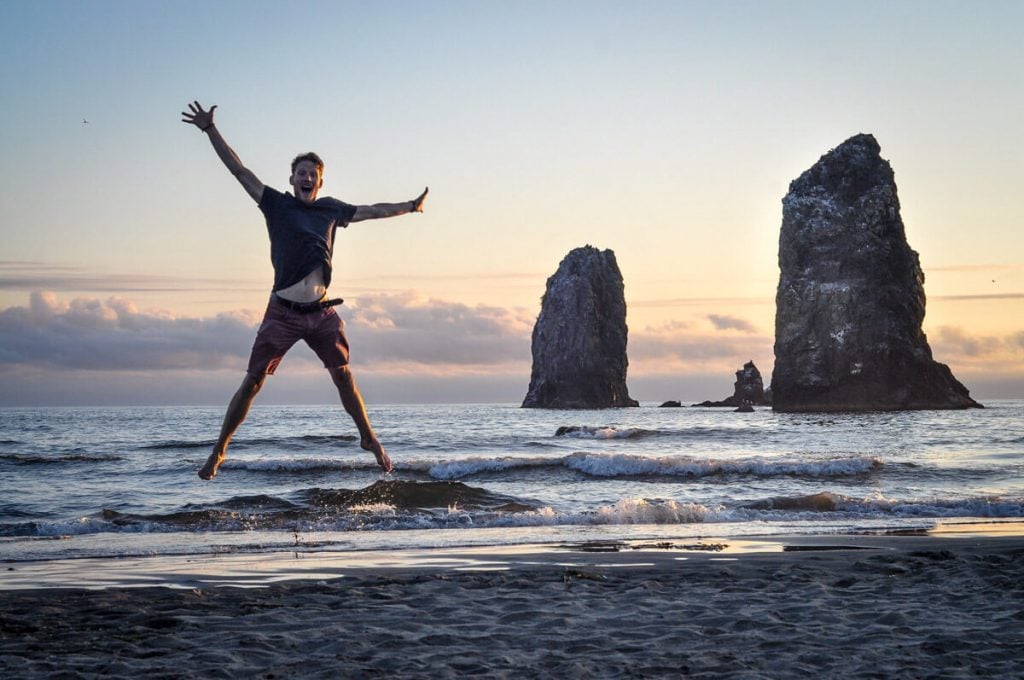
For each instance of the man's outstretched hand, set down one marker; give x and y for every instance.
(200, 118)
(417, 203)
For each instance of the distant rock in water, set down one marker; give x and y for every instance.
(850, 301)
(749, 386)
(748, 390)
(671, 403)
(579, 340)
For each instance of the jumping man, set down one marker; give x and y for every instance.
(301, 228)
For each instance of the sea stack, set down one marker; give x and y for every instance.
(747, 390)
(850, 301)
(579, 340)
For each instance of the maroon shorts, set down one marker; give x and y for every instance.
(323, 330)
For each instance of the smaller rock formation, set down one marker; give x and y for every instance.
(748, 390)
(579, 340)
(671, 403)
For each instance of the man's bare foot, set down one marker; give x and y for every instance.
(373, 445)
(209, 471)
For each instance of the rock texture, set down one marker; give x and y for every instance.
(748, 390)
(579, 340)
(850, 301)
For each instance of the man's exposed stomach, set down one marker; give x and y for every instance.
(309, 289)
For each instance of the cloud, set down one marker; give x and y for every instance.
(695, 348)
(112, 335)
(403, 329)
(668, 327)
(956, 342)
(399, 331)
(724, 322)
(989, 365)
(662, 353)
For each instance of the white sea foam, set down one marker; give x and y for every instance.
(95, 525)
(614, 465)
(465, 467)
(624, 465)
(828, 507)
(588, 432)
(298, 464)
(373, 509)
(644, 511)
(974, 507)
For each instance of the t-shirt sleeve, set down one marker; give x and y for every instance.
(347, 212)
(343, 211)
(268, 199)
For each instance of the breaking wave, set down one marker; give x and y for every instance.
(388, 505)
(58, 459)
(632, 465)
(588, 432)
(618, 465)
(590, 464)
(827, 502)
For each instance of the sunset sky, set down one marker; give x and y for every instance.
(134, 268)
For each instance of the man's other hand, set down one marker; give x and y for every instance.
(200, 118)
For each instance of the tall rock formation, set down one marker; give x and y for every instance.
(579, 340)
(850, 301)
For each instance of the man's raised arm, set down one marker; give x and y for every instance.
(204, 121)
(379, 210)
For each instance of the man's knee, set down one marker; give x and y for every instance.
(340, 374)
(252, 384)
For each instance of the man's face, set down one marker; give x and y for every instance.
(306, 181)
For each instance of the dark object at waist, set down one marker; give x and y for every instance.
(308, 307)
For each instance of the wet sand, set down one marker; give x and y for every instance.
(943, 605)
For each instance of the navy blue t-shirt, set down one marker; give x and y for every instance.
(301, 234)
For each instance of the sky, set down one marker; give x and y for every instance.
(134, 269)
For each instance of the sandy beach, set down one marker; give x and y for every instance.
(942, 605)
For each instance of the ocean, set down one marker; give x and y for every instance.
(117, 482)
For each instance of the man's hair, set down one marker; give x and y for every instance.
(308, 156)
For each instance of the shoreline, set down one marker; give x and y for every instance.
(938, 605)
(264, 569)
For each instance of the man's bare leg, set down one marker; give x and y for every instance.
(353, 403)
(237, 410)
